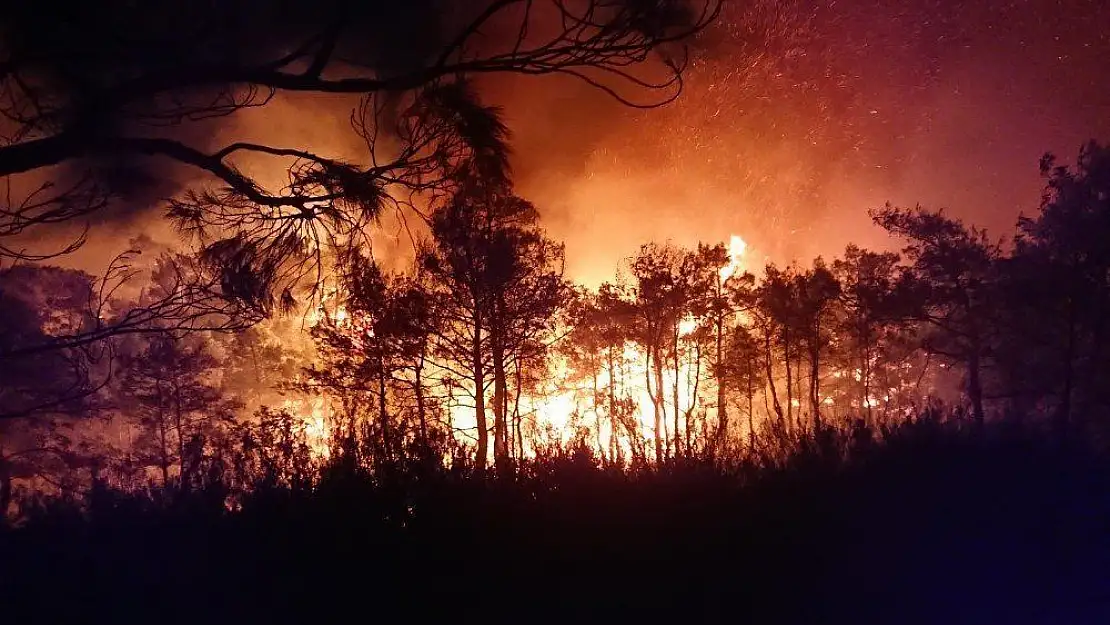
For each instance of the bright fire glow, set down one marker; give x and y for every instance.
(562, 411)
(313, 414)
(736, 249)
(687, 326)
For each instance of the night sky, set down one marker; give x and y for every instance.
(796, 119)
(787, 134)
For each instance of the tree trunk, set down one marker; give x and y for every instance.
(614, 443)
(383, 410)
(518, 434)
(865, 378)
(815, 376)
(768, 366)
(478, 372)
(421, 410)
(179, 426)
(500, 400)
(751, 404)
(798, 388)
(678, 451)
(163, 442)
(656, 399)
(164, 458)
(722, 407)
(1088, 385)
(695, 386)
(597, 416)
(789, 378)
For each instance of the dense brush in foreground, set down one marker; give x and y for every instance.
(932, 525)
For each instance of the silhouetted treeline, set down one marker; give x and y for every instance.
(687, 354)
(483, 345)
(270, 426)
(930, 521)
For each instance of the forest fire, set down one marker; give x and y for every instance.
(429, 300)
(571, 413)
(315, 417)
(736, 248)
(568, 407)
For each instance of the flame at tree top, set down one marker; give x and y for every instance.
(736, 248)
(560, 411)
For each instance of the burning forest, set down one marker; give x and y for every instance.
(520, 308)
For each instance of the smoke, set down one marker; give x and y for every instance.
(796, 118)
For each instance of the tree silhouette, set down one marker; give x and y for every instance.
(954, 273)
(818, 291)
(93, 117)
(660, 305)
(90, 124)
(173, 390)
(496, 284)
(777, 313)
(44, 374)
(528, 292)
(585, 348)
(600, 328)
(42, 389)
(716, 295)
(377, 345)
(741, 372)
(870, 285)
(1057, 289)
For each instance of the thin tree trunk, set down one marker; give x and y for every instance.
(656, 367)
(477, 370)
(814, 375)
(789, 378)
(179, 426)
(865, 375)
(163, 437)
(165, 452)
(768, 366)
(722, 407)
(678, 450)
(421, 410)
(798, 414)
(663, 403)
(500, 401)
(974, 380)
(695, 387)
(614, 442)
(597, 416)
(1087, 379)
(383, 410)
(518, 434)
(751, 403)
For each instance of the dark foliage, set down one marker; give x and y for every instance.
(931, 522)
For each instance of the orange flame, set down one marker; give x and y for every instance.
(560, 413)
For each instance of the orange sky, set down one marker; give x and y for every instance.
(797, 118)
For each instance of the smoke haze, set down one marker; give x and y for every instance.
(796, 118)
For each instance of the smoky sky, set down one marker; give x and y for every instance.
(796, 118)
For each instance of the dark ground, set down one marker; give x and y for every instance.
(932, 526)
